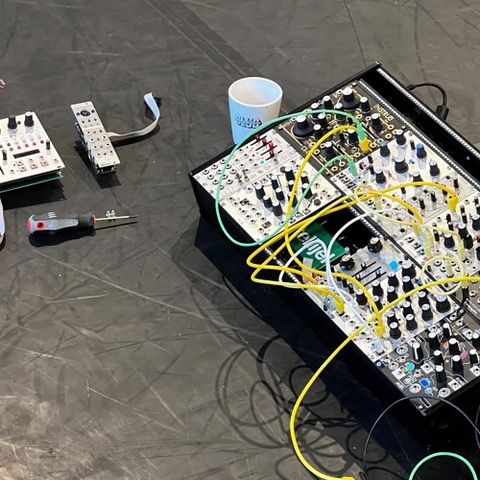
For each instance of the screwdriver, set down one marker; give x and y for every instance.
(53, 223)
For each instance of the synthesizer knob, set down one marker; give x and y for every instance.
(12, 122)
(408, 269)
(275, 183)
(307, 192)
(322, 120)
(448, 219)
(407, 309)
(365, 104)
(476, 222)
(416, 177)
(434, 170)
(375, 245)
(410, 322)
(289, 173)
(304, 178)
(401, 166)
(277, 208)
(407, 284)
(384, 151)
(440, 375)
(421, 152)
(339, 118)
(456, 185)
(279, 194)
(417, 352)
(376, 122)
(392, 294)
(328, 150)
(462, 230)
(473, 356)
(361, 298)
(391, 317)
(438, 357)
(442, 303)
(433, 341)
(446, 331)
(4, 155)
(291, 184)
(317, 131)
(349, 99)
(433, 198)
(267, 201)
(476, 340)
(427, 313)
(468, 242)
(476, 202)
(377, 289)
(464, 215)
(457, 364)
(28, 120)
(423, 298)
(259, 191)
(392, 279)
(352, 137)
(395, 332)
(302, 127)
(400, 138)
(47, 144)
(477, 252)
(378, 302)
(453, 347)
(327, 102)
(449, 242)
(379, 175)
(347, 262)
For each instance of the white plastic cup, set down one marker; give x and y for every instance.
(252, 101)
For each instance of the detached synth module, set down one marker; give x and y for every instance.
(425, 230)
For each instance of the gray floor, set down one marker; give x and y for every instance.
(123, 355)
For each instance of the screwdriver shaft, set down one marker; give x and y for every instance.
(109, 219)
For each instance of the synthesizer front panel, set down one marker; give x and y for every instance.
(431, 342)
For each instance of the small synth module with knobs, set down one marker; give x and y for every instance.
(430, 343)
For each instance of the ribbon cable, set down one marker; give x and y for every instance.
(153, 106)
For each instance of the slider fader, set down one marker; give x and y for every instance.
(400, 215)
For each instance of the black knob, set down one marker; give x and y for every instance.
(395, 332)
(473, 355)
(417, 352)
(410, 322)
(408, 269)
(259, 191)
(433, 341)
(307, 192)
(453, 347)
(434, 170)
(327, 150)
(438, 357)
(446, 331)
(327, 102)
(448, 241)
(416, 177)
(377, 289)
(279, 194)
(365, 104)
(440, 375)
(476, 202)
(421, 202)
(463, 213)
(380, 177)
(304, 178)
(392, 279)
(338, 116)
(468, 242)
(391, 317)
(4, 155)
(427, 313)
(421, 152)
(378, 302)
(12, 122)
(322, 120)
(457, 364)
(407, 284)
(361, 298)
(289, 173)
(352, 137)
(392, 293)
(317, 131)
(376, 122)
(476, 340)
(375, 245)
(275, 183)
(349, 99)
(290, 185)
(28, 120)
(442, 303)
(347, 262)
(433, 198)
(476, 222)
(456, 185)
(407, 308)
(401, 166)
(423, 298)
(267, 201)
(400, 138)
(462, 230)
(47, 144)
(477, 252)
(302, 127)
(384, 150)
(277, 208)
